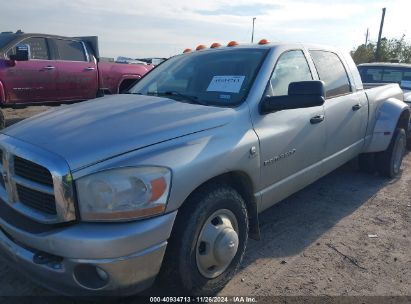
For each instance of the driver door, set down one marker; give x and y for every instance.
(32, 80)
(291, 141)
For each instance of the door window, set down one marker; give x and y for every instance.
(70, 50)
(332, 71)
(38, 48)
(292, 66)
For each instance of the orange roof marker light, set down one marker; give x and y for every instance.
(264, 41)
(200, 47)
(232, 43)
(187, 51)
(215, 45)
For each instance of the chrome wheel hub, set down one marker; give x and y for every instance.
(217, 243)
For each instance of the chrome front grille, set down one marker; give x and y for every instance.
(37, 200)
(35, 182)
(32, 171)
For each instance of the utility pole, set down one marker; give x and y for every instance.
(366, 36)
(252, 34)
(377, 55)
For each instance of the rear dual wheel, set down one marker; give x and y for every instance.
(387, 163)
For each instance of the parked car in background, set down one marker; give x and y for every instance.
(41, 68)
(377, 73)
(381, 73)
(173, 175)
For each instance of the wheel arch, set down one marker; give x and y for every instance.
(391, 114)
(243, 184)
(126, 82)
(404, 119)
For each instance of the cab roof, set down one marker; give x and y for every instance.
(386, 64)
(269, 45)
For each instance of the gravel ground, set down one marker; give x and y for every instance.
(316, 242)
(12, 116)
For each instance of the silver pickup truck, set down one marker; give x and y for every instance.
(102, 197)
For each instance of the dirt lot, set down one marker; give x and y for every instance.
(12, 116)
(318, 242)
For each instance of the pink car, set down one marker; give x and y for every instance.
(39, 68)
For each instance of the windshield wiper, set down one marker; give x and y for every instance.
(191, 99)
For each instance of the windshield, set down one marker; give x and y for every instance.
(375, 74)
(221, 77)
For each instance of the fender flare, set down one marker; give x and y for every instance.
(390, 114)
(127, 77)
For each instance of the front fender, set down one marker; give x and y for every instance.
(391, 112)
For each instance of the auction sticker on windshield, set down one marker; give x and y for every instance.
(228, 84)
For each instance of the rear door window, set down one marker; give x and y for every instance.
(331, 70)
(69, 50)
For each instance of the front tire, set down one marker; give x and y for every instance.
(389, 161)
(208, 241)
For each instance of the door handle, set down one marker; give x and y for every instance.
(356, 107)
(49, 68)
(89, 69)
(317, 119)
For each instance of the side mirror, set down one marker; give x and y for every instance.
(302, 94)
(22, 53)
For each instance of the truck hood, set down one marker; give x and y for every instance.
(92, 131)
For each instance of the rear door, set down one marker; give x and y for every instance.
(77, 71)
(346, 111)
(33, 80)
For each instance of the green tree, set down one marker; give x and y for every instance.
(391, 49)
(363, 53)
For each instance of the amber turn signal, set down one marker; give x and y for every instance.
(200, 47)
(232, 43)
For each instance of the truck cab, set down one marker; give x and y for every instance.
(58, 69)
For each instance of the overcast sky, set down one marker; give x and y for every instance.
(160, 28)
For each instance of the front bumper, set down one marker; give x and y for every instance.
(104, 275)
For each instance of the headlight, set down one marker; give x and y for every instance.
(123, 193)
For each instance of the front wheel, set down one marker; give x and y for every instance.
(208, 241)
(389, 161)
